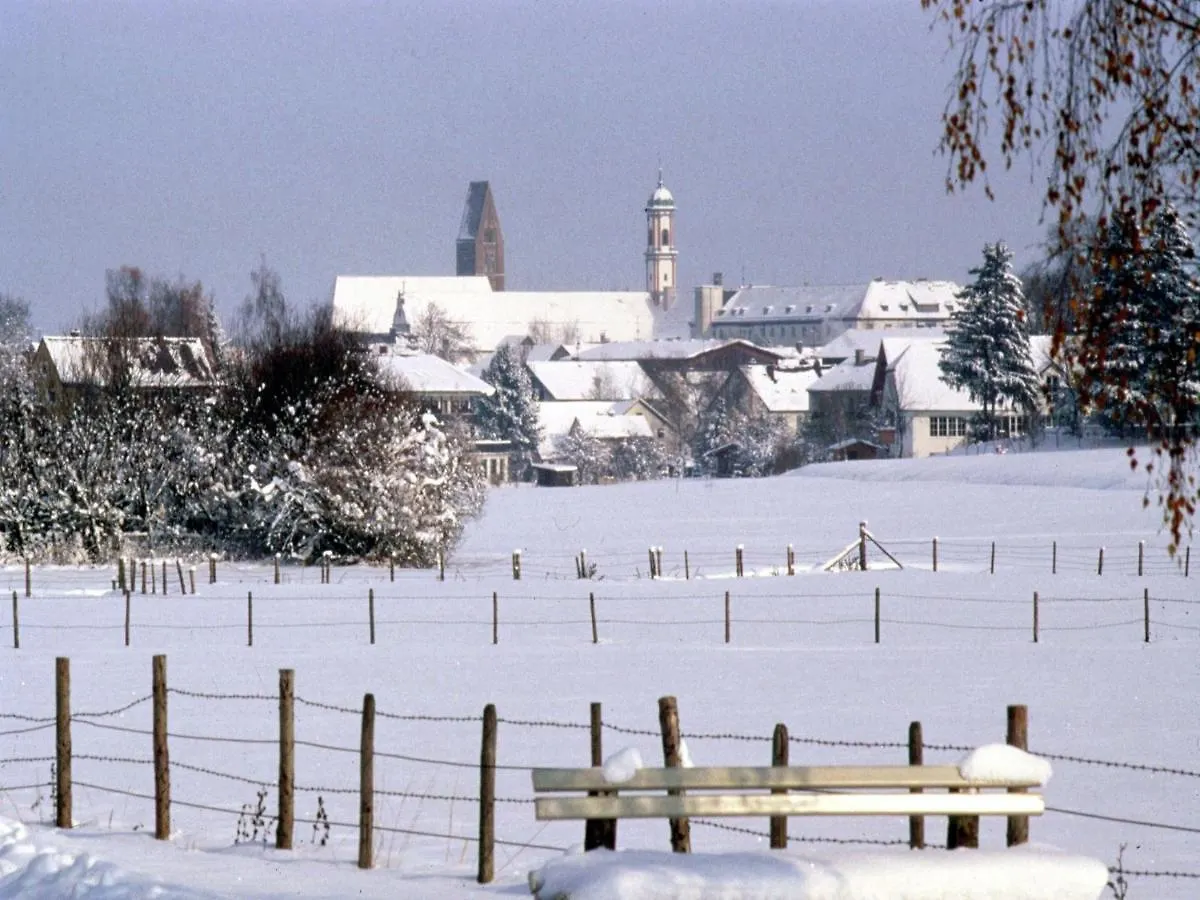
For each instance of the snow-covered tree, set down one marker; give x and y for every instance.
(510, 414)
(638, 459)
(582, 449)
(987, 343)
(759, 441)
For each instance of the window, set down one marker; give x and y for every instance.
(666, 278)
(650, 237)
(666, 237)
(947, 426)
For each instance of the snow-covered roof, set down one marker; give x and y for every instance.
(429, 374)
(597, 417)
(918, 380)
(639, 350)
(367, 304)
(164, 362)
(845, 376)
(867, 340)
(781, 390)
(919, 300)
(612, 426)
(569, 379)
(556, 416)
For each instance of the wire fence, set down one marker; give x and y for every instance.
(519, 797)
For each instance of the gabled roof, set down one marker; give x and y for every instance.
(868, 339)
(429, 374)
(366, 304)
(590, 379)
(919, 300)
(845, 376)
(164, 362)
(781, 390)
(918, 380)
(473, 212)
(558, 417)
(614, 427)
(676, 350)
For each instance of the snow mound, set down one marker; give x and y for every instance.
(1022, 873)
(1000, 763)
(29, 870)
(622, 765)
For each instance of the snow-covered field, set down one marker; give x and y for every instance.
(956, 648)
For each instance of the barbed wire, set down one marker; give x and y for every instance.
(1144, 873)
(125, 729)
(382, 714)
(23, 787)
(1123, 821)
(208, 695)
(806, 839)
(18, 760)
(27, 730)
(1113, 764)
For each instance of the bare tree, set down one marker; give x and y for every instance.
(435, 332)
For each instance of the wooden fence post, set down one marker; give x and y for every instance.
(62, 742)
(192, 578)
(212, 568)
(164, 577)
(162, 760)
(121, 572)
(287, 759)
(1141, 556)
(495, 618)
(1100, 562)
(487, 798)
(779, 758)
(1146, 613)
(1035, 617)
(371, 612)
(791, 560)
(441, 562)
(916, 757)
(127, 605)
(249, 618)
(516, 565)
(650, 556)
(658, 561)
(935, 554)
(143, 576)
(1018, 736)
(727, 617)
(737, 558)
(668, 720)
(862, 546)
(153, 578)
(392, 568)
(28, 579)
(992, 566)
(1187, 560)
(179, 569)
(1054, 558)
(592, 608)
(877, 615)
(687, 568)
(598, 832)
(276, 561)
(16, 624)
(366, 786)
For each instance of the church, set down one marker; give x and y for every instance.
(390, 308)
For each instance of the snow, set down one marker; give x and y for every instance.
(622, 765)
(781, 389)
(429, 374)
(590, 380)
(955, 651)
(1000, 763)
(1022, 874)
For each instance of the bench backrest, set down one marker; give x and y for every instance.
(742, 791)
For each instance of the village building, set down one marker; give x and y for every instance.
(480, 246)
(439, 386)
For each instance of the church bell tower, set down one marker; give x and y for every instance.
(660, 246)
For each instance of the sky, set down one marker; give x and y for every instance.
(194, 139)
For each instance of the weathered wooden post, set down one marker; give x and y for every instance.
(1054, 558)
(121, 572)
(877, 615)
(276, 561)
(62, 742)
(738, 560)
(153, 578)
(371, 613)
(592, 608)
(249, 618)
(1035, 617)
(192, 578)
(992, 566)
(658, 566)
(791, 560)
(862, 546)
(916, 757)
(516, 565)
(487, 798)
(668, 720)
(127, 605)
(143, 576)
(935, 554)
(687, 568)
(1146, 613)
(1141, 556)
(28, 579)
(1018, 736)
(212, 568)
(1100, 562)
(16, 617)
(392, 568)
(441, 562)
(650, 555)
(1187, 561)
(164, 577)
(598, 832)
(779, 759)
(182, 584)
(366, 786)
(162, 761)
(495, 618)
(727, 617)
(287, 759)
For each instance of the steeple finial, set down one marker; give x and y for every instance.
(660, 178)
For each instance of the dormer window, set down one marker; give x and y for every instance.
(808, 309)
(789, 309)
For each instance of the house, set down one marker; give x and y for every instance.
(815, 315)
(439, 386)
(862, 344)
(380, 308)
(779, 391)
(680, 356)
(492, 457)
(67, 368)
(855, 448)
(842, 392)
(925, 415)
(602, 419)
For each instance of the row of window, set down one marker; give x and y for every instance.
(956, 426)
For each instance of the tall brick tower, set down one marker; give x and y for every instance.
(480, 245)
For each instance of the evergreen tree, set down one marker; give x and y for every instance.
(586, 452)
(639, 459)
(510, 414)
(987, 343)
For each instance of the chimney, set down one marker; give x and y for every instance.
(859, 357)
(718, 279)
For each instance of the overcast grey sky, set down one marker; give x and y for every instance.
(338, 138)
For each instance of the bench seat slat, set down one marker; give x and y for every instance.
(853, 804)
(765, 777)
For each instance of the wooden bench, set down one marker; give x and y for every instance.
(812, 791)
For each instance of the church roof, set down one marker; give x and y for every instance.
(917, 301)
(661, 198)
(477, 194)
(366, 304)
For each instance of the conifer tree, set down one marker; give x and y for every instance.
(987, 343)
(510, 414)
